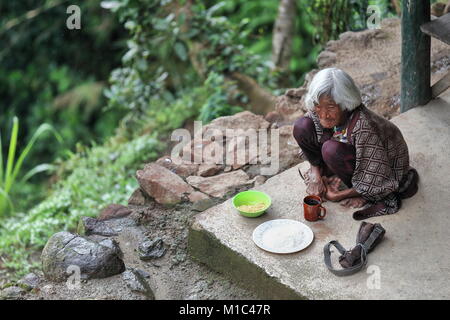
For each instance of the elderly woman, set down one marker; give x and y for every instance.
(347, 143)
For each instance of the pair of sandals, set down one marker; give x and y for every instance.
(352, 261)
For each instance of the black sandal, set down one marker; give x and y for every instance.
(369, 236)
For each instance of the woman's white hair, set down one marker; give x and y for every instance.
(337, 85)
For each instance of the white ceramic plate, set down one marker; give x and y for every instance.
(283, 236)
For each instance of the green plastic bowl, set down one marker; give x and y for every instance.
(251, 197)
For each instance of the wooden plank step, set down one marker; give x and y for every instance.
(440, 86)
(438, 28)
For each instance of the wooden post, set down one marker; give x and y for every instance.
(416, 72)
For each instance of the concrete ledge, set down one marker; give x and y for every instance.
(206, 248)
(412, 262)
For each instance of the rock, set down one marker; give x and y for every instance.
(151, 249)
(114, 211)
(213, 155)
(143, 273)
(95, 259)
(207, 170)
(203, 204)
(242, 120)
(217, 143)
(137, 198)
(216, 136)
(137, 283)
(326, 59)
(162, 184)
(273, 117)
(218, 186)
(91, 226)
(289, 149)
(12, 293)
(197, 196)
(185, 169)
(288, 110)
(119, 224)
(296, 93)
(140, 198)
(193, 151)
(259, 180)
(29, 282)
(238, 152)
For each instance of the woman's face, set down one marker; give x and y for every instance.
(330, 114)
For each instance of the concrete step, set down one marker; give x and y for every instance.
(412, 262)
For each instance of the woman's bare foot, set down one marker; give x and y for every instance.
(356, 202)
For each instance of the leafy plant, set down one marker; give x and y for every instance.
(217, 104)
(42, 80)
(333, 17)
(9, 173)
(174, 48)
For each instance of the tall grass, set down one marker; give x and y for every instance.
(10, 172)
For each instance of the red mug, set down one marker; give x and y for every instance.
(312, 208)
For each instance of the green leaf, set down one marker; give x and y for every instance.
(192, 32)
(4, 196)
(39, 168)
(1, 161)
(214, 8)
(181, 18)
(11, 154)
(160, 24)
(41, 130)
(180, 50)
(110, 5)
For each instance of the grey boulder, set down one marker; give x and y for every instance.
(95, 259)
(91, 226)
(29, 282)
(12, 293)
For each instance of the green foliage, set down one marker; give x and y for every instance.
(333, 17)
(170, 54)
(224, 50)
(217, 103)
(51, 74)
(260, 16)
(9, 173)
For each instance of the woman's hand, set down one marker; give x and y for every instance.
(316, 184)
(316, 188)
